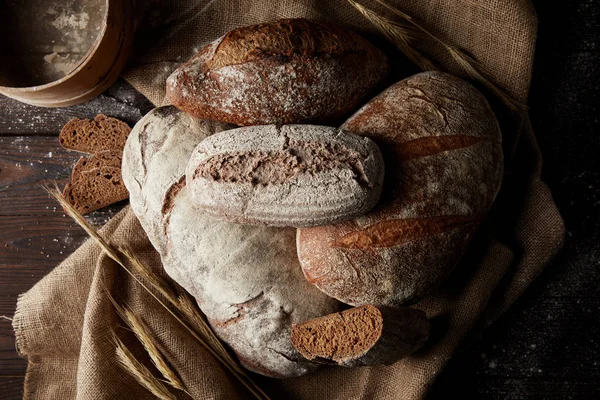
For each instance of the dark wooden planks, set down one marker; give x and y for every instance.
(28, 162)
(35, 235)
(120, 101)
(11, 388)
(29, 249)
(10, 363)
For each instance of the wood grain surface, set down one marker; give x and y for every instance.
(546, 347)
(35, 234)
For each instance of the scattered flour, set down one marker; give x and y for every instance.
(65, 19)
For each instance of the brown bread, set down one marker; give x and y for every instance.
(283, 72)
(246, 279)
(105, 158)
(93, 136)
(290, 175)
(364, 335)
(443, 157)
(96, 189)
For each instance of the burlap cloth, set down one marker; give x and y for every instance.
(62, 323)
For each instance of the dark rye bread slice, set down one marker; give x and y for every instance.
(364, 335)
(93, 136)
(87, 165)
(98, 188)
(283, 72)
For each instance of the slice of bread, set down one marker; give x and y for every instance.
(93, 136)
(364, 335)
(96, 188)
(105, 158)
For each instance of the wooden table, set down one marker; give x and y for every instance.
(35, 235)
(547, 346)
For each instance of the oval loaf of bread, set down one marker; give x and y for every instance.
(442, 148)
(287, 71)
(246, 279)
(290, 175)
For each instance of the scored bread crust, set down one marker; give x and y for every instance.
(442, 148)
(247, 280)
(287, 71)
(290, 175)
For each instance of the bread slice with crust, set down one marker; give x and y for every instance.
(93, 136)
(95, 189)
(85, 165)
(364, 335)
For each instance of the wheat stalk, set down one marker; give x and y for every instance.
(404, 32)
(117, 255)
(140, 372)
(400, 33)
(182, 303)
(141, 331)
(188, 308)
(155, 280)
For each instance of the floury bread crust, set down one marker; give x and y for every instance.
(442, 149)
(364, 335)
(154, 161)
(282, 72)
(246, 279)
(293, 175)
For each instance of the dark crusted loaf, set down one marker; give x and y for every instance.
(92, 136)
(443, 157)
(288, 71)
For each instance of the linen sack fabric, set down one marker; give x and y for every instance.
(63, 324)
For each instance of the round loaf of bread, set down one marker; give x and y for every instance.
(155, 154)
(443, 157)
(246, 279)
(288, 71)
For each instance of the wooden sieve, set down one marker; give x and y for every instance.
(58, 53)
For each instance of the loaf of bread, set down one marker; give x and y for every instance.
(364, 335)
(290, 175)
(246, 279)
(93, 136)
(154, 161)
(287, 71)
(442, 148)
